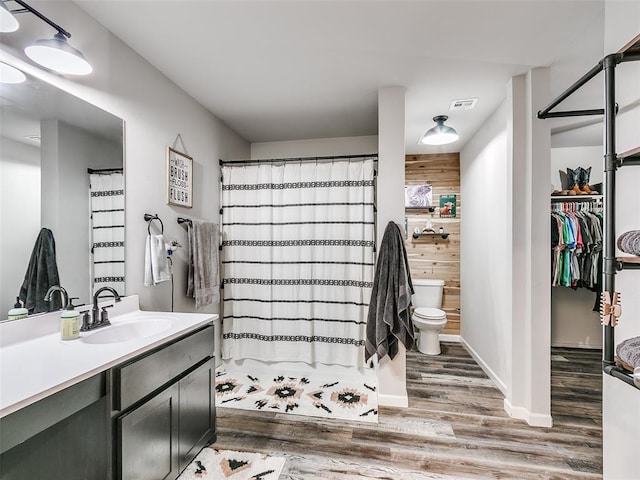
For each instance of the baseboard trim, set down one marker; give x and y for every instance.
(490, 373)
(400, 401)
(533, 419)
(447, 337)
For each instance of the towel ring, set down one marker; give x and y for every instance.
(149, 218)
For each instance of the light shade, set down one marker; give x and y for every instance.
(56, 54)
(441, 134)
(9, 74)
(8, 22)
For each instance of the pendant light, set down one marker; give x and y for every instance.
(8, 22)
(9, 74)
(441, 134)
(56, 54)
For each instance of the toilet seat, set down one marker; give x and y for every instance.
(426, 313)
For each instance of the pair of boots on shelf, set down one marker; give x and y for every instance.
(577, 182)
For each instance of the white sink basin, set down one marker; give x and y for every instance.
(129, 330)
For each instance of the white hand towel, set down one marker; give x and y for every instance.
(156, 265)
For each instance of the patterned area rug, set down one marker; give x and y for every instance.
(351, 399)
(213, 464)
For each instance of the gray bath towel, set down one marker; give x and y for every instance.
(42, 273)
(629, 242)
(389, 317)
(203, 278)
(628, 353)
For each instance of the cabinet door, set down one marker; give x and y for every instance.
(148, 447)
(197, 411)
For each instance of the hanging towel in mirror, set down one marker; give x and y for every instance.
(156, 265)
(42, 273)
(203, 282)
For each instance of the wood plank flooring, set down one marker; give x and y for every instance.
(455, 428)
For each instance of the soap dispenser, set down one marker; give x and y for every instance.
(70, 322)
(18, 311)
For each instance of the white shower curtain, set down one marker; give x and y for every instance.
(298, 260)
(107, 230)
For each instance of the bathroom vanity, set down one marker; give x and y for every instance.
(134, 400)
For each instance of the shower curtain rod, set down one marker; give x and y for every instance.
(104, 170)
(296, 159)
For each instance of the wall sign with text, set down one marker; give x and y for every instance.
(179, 178)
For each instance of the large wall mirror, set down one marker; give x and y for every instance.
(61, 169)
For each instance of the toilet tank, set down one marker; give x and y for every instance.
(427, 293)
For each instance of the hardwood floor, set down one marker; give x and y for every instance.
(455, 428)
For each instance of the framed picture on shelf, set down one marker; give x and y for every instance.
(179, 178)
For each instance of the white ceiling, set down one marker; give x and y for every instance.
(289, 70)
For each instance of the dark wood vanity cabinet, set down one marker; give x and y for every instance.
(164, 408)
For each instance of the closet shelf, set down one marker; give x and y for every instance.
(630, 157)
(623, 375)
(573, 198)
(632, 47)
(628, 263)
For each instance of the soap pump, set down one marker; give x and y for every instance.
(69, 322)
(18, 310)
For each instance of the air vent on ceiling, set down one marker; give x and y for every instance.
(464, 104)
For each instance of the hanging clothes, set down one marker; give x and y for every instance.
(576, 246)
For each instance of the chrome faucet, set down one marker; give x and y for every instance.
(64, 297)
(97, 319)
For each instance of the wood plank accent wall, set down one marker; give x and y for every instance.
(433, 257)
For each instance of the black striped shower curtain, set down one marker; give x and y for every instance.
(107, 230)
(298, 260)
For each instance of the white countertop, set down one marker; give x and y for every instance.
(35, 362)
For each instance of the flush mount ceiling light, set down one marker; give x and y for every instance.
(55, 54)
(441, 134)
(8, 22)
(9, 74)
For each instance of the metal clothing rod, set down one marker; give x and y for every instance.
(297, 159)
(571, 90)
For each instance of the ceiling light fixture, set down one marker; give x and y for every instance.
(9, 74)
(55, 54)
(441, 134)
(8, 22)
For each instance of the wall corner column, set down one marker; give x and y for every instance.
(529, 395)
(392, 374)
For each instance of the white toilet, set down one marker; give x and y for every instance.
(427, 317)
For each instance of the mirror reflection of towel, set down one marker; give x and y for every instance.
(203, 279)
(156, 265)
(42, 273)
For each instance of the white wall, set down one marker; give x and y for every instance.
(155, 111)
(19, 185)
(485, 262)
(315, 147)
(505, 249)
(573, 321)
(621, 402)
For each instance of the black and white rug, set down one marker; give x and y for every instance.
(214, 464)
(318, 396)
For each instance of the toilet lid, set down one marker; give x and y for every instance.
(430, 313)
